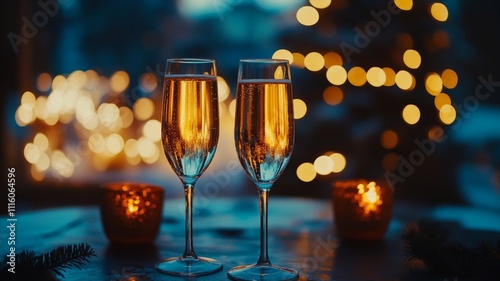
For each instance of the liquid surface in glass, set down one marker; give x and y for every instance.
(190, 123)
(264, 132)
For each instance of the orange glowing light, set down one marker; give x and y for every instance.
(333, 95)
(357, 76)
(439, 11)
(332, 58)
(368, 197)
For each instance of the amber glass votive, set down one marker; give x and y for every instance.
(131, 212)
(362, 208)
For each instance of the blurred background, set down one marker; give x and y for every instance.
(399, 90)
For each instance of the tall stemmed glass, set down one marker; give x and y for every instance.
(264, 136)
(190, 132)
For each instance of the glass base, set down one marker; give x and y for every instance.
(262, 273)
(180, 266)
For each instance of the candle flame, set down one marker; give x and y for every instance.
(368, 198)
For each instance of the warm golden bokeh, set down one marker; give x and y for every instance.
(433, 84)
(299, 108)
(320, 4)
(411, 114)
(336, 75)
(307, 16)
(390, 76)
(332, 58)
(441, 100)
(404, 80)
(447, 114)
(283, 54)
(298, 60)
(339, 162)
(375, 76)
(412, 58)
(323, 165)
(404, 5)
(119, 81)
(450, 78)
(356, 76)
(314, 61)
(306, 172)
(439, 11)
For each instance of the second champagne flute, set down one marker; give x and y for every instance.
(190, 132)
(264, 136)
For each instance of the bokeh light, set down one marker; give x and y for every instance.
(336, 75)
(333, 95)
(436, 134)
(411, 114)
(323, 165)
(441, 100)
(143, 109)
(41, 141)
(152, 130)
(307, 16)
(119, 81)
(433, 84)
(332, 58)
(412, 58)
(298, 60)
(223, 89)
(375, 76)
(439, 11)
(450, 78)
(314, 61)
(404, 80)
(404, 5)
(447, 114)
(283, 54)
(148, 82)
(389, 139)
(320, 4)
(390, 76)
(44, 82)
(356, 76)
(299, 108)
(339, 162)
(306, 172)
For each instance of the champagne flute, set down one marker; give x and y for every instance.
(190, 132)
(264, 136)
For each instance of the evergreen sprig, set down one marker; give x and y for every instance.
(46, 266)
(429, 243)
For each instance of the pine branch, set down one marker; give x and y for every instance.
(46, 266)
(65, 257)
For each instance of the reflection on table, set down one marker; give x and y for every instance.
(301, 235)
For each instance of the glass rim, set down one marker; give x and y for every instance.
(265, 60)
(191, 60)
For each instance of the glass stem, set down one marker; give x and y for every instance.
(264, 257)
(189, 249)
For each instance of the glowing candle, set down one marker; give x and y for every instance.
(131, 213)
(362, 208)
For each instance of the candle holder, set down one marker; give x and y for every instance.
(131, 212)
(362, 208)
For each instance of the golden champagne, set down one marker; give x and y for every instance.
(264, 132)
(190, 123)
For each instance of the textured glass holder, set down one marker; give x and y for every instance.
(131, 212)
